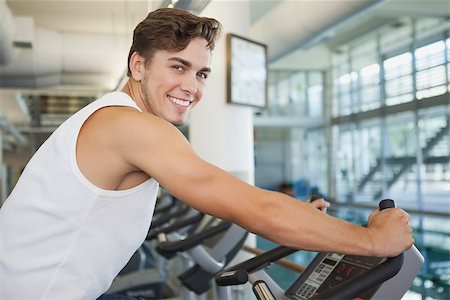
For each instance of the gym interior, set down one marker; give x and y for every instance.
(356, 106)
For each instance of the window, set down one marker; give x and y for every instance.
(430, 77)
(399, 83)
(370, 87)
(435, 145)
(296, 93)
(347, 91)
(448, 60)
(345, 164)
(315, 94)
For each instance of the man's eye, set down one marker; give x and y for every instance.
(178, 68)
(202, 75)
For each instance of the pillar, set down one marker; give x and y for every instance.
(219, 132)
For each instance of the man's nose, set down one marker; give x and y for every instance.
(189, 84)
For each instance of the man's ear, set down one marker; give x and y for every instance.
(137, 66)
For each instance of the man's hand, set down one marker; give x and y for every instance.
(320, 204)
(390, 232)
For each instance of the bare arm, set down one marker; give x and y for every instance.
(161, 151)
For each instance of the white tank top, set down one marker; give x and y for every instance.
(61, 237)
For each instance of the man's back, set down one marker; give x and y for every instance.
(62, 235)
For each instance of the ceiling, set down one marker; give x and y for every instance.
(299, 33)
(284, 25)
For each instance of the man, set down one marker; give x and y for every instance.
(85, 200)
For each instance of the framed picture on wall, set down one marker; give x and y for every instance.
(246, 71)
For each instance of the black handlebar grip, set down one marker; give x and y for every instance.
(386, 203)
(232, 278)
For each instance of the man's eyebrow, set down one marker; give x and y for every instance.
(188, 64)
(206, 69)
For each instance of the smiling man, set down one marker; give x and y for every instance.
(85, 200)
(173, 84)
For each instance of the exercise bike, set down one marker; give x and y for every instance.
(331, 275)
(147, 273)
(204, 244)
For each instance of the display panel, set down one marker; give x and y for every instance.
(328, 271)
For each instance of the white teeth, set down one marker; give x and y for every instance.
(179, 101)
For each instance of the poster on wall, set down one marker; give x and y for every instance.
(246, 71)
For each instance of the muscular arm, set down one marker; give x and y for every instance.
(161, 151)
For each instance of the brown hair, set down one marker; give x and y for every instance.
(171, 29)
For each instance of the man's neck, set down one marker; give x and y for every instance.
(133, 89)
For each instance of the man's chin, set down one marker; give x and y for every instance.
(179, 122)
(177, 119)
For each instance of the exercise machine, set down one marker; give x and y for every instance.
(204, 253)
(331, 275)
(147, 273)
(205, 246)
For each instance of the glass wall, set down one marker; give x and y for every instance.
(398, 79)
(315, 160)
(403, 88)
(387, 135)
(295, 93)
(400, 167)
(345, 159)
(391, 112)
(431, 70)
(298, 96)
(434, 139)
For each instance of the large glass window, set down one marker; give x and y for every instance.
(345, 158)
(448, 63)
(367, 171)
(401, 140)
(282, 101)
(296, 93)
(315, 94)
(398, 76)
(430, 67)
(370, 87)
(359, 85)
(435, 146)
(315, 157)
(397, 142)
(347, 90)
(400, 176)
(272, 96)
(364, 60)
(389, 132)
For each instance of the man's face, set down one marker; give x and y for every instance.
(173, 82)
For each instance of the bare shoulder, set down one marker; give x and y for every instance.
(114, 116)
(126, 124)
(117, 140)
(135, 135)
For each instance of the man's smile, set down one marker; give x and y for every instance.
(178, 101)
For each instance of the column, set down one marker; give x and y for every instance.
(221, 133)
